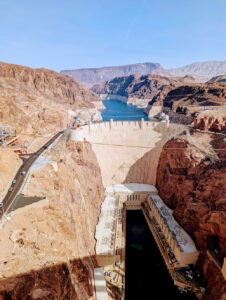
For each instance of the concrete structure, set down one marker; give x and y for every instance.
(132, 194)
(177, 248)
(120, 145)
(178, 241)
(105, 229)
(100, 284)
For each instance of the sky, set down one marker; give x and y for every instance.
(71, 34)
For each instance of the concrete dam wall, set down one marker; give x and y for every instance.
(127, 151)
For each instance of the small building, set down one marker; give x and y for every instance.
(132, 194)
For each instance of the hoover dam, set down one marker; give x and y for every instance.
(121, 145)
(77, 196)
(121, 149)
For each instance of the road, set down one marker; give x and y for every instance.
(10, 196)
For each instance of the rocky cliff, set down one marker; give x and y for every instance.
(37, 101)
(212, 120)
(47, 248)
(196, 95)
(97, 75)
(139, 90)
(191, 178)
(184, 101)
(145, 86)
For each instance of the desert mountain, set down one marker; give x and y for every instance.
(97, 75)
(201, 71)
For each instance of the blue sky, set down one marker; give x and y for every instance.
(69, 34)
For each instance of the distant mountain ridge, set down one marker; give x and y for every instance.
(201, 71)
(97, 75)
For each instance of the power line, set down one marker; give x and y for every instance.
(146, 147)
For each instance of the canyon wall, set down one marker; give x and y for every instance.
(139, 90)
(119, 145)
(41, 101)
(191, 179)
(47, 248)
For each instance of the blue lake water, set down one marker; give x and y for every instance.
(119, 111)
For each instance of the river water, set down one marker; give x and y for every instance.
(147, 276)
(120, 111)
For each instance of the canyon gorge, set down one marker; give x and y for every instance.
(48, 247)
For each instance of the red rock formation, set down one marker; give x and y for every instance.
(64, 281)
(191, 180)
(211, 120)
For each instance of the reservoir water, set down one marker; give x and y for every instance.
(119, 111)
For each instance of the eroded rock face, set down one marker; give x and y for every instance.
(134, 86)
(211, 120)
(195, 94)
(47, 250)
(191, 180)
(53, 85)
(40, 101)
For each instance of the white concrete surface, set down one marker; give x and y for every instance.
(106, 227)
(127, 151)
(100, 284)
(177, 232)
(131, 188)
